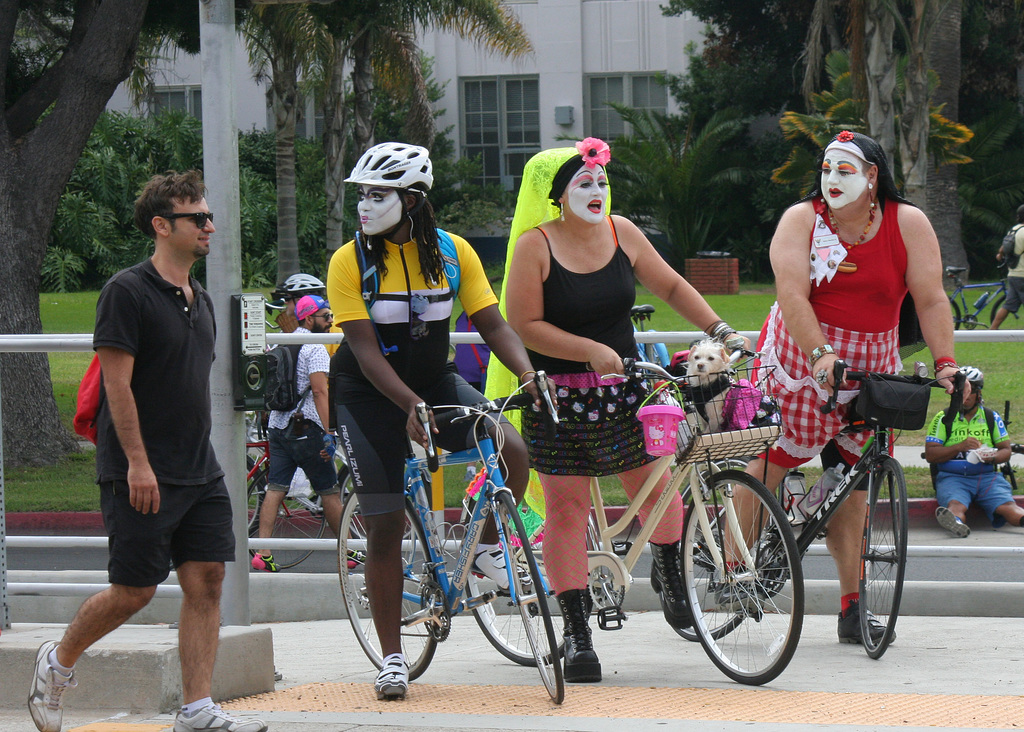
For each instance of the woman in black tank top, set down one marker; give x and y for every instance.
(570, 284)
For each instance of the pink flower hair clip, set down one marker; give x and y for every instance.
(845, 136)
(594, 152)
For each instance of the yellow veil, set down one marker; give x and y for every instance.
(533, 207)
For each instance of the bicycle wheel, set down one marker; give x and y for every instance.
(996, 304)
(884, 557)
(418, 643)
(299, 517)
(725, 464)
(528, 591)
(747, 616)
(255, 489)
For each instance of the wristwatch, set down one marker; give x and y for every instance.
(820, 351)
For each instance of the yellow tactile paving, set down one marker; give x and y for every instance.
(753, 705)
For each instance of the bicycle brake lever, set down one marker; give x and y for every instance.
(838, 370)
(423, 415)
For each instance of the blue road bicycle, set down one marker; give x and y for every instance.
(438, 581)
(990, 294)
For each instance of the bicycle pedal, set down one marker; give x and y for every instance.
(621, 548)
(611, 618)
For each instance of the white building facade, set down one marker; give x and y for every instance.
(585, 54)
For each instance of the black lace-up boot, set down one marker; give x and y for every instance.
(667, 581)
(581, 662)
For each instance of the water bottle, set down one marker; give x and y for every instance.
(820, 491)
(980, 302)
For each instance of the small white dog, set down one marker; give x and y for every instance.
(707, 374)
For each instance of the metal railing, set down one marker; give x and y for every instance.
(83, 342)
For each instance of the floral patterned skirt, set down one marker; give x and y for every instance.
(598, 431)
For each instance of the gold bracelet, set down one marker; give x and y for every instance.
(523, 375)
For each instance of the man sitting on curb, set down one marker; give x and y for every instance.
(966, 458)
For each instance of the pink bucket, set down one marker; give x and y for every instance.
(661, 422)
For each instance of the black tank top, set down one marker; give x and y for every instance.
(593, 305)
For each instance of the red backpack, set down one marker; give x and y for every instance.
(88, 401)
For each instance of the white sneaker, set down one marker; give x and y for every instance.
(46, 696)
(491, 564)
(949, 521)
(393, 680)
(212, 717)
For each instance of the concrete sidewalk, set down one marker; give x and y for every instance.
(943, 672)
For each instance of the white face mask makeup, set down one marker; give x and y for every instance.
(380, 209)
(842, 180)
(587, 194)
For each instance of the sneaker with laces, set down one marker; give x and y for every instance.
(491, 564)
(951, 523)
(849, 626)
(355, 558)
(46, 695)
(264, 563)
(212, 717)
(393, 680)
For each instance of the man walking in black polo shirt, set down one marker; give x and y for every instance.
(162, 490)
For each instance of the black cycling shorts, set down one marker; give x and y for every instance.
(371, 429)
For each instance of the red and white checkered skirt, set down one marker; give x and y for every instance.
(805, 430)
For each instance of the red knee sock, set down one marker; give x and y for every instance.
(846, 600)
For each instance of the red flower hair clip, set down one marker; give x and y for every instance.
(845, 136)
(594, 152)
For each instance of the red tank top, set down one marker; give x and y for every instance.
(869, 299)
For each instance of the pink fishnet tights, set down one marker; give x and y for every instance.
(567, 500)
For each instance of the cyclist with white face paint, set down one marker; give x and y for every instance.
(395, 356)
(844, 258)
(571, 274)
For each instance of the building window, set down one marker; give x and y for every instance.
(501, 126)
(184, 98)
(638, 91)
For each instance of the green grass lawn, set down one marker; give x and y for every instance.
(70, 485)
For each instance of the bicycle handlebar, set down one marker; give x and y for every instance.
(520, 400)
(841, 372)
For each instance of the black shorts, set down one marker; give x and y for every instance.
(372, 432)
(193, 524)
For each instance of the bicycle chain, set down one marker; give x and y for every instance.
(441, 620)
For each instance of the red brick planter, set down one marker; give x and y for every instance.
(714, 276)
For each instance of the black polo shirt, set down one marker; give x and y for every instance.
(173, 344)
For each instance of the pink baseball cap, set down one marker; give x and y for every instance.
(309, 305)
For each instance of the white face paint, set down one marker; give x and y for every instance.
(587, 193)
(842, 179)
(380, 209)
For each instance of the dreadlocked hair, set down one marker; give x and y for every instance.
(423, 232)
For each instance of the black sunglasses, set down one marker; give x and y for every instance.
(199, 218)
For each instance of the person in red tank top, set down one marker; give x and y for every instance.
(844, 259)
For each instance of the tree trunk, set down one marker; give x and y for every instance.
(39, 153)
(362, 90)
(335, 145)
(284, 98)
(914, 120)
(943, 196)
(880, 76)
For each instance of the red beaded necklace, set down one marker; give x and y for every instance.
(835, 226)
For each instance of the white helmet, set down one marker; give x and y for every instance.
(975, 376)
(302, 283)
(394, 165)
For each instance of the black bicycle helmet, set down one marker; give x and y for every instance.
(974, 376)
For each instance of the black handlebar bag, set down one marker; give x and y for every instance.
(895, 404)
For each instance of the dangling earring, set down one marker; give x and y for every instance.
(561, 212)
(871, 186)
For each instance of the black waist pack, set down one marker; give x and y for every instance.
(895, 404)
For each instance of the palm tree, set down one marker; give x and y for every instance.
(667, 175)
(286, 41)
(377, 40)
